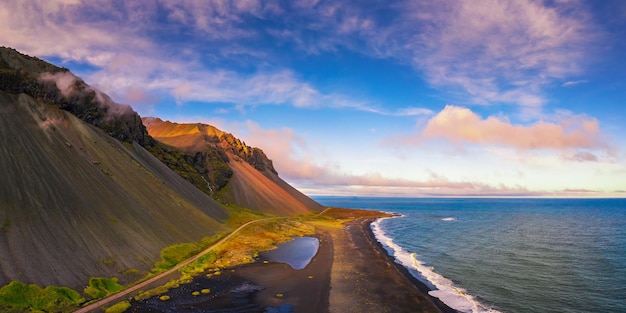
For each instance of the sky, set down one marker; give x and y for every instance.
(371, 98)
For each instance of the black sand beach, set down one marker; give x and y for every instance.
(350, 273)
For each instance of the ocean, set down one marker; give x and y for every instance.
(508, 255)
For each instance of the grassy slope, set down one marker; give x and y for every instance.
(77, 203)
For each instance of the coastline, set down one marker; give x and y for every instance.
(351, 272)
(405, 272)
(381, 284)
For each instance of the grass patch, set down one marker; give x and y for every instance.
(199, 266)
(261, 236)
(100, 287)
(172, 255)
(238, 216)
(158, 290)
(19, 297)
(118, 308)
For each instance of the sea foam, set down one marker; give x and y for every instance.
(443, 288)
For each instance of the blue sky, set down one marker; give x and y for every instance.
(412, 98)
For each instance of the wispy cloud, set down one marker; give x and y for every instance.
(500, 51)
(574, 83)
(413, 111)
(486, 52)
(64, 81)
(134, 70)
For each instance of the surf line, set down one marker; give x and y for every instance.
(441, 287)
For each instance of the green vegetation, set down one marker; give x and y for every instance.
(20, 297)
(260, 236)
(238, 216)
(172, 255)
(100, 287)
(118, 308)
(160, 290)
(199, 266)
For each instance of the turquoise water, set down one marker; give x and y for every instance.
(509, 255)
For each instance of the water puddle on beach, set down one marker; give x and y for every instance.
(297, 252)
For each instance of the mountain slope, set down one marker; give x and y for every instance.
(79, 201)
(248, 176)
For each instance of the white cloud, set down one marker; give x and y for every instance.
(64, 81)
(574, 83)
(412, 111)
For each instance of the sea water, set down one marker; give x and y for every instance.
(508, 255)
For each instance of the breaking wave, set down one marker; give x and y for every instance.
(442, 287)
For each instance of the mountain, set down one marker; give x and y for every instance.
(235, 173)
(80, 196)
(86, 191)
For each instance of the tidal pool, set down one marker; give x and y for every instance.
(297, 252)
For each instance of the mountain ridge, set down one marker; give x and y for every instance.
(249, 178)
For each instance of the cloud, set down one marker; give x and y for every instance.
(298, 162)
(499, 51)
(583, 156)
(484, 52)
(70, 85)
(414, 111)
(574, 83)
(189, 81)
(376, 185)
(135, 67)
(65, 81)
(459, 124)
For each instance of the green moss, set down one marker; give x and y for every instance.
(130, 272)
(100, 287)
(20, 297)
(118, 308)
(174, 254)
(158, 290)
(199, 266)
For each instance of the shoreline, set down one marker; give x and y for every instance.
(405, 272)
(351, 272)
